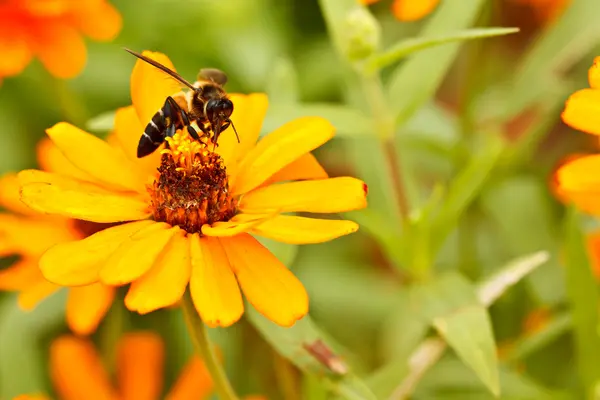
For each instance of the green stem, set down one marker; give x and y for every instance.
(384, 125)
(204, 349)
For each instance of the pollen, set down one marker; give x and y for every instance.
(191, 187)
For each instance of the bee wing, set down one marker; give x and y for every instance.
(212, 74)
(161, 67)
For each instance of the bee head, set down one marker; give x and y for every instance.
(219, 109)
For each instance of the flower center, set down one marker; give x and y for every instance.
(191, 188)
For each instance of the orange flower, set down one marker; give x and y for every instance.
(578, 181)
(27, 234)
(409, 10)
(190, 220)
(52, 31)
(593, 245)
(77, 371)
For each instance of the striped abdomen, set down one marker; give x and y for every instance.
(164, 123)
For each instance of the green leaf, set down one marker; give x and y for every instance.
(583, 297)
(469, 332)
(530, 227)
(102, 123)
(436, 300)
(464, 189)
(348, 121)
(409, 46)
(492, 288)
(558, 48)
(462, 321)
(291, 342)
(448, 379)
(414, 82)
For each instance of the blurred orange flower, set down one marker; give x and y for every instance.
(593, 245)
(52, 31)
(189, 212)
(409, 10)
(77, 371)
(578, 180)
(27, 234)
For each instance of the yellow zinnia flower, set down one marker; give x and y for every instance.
(578, 180)
(52, 31)
(27, 234)
(409, 10)
(186, 216)
(77, 372)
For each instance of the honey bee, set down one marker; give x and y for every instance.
(206, 104)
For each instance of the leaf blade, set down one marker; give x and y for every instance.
(291, 342)
(582, 292)
(414, 82)
(408, 46)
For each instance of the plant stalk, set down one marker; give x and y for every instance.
(204, 349)
(384, 125)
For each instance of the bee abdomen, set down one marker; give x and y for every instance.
(153, 136)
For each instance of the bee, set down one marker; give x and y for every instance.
(206, 104)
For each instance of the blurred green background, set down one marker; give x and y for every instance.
(476, 136)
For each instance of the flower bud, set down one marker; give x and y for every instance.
(362, 34)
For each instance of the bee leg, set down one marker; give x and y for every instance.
(193, 132)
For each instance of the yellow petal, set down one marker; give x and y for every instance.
(97, 19)
(412, 10)
(52, 160)
(20, 275)
(279, 149)
(128, 132)
(581, 174)
(137, 253)
(97, 158)
(248, 114)
(213, 286)
(87, 306)
(194, 382)
(302, 230)
(78, 263)
(320, 196)
(238, 224)
(32, 237)
(10, 197)
(577, 182)
(164, 284)
(77, 371)
(150, 87)
(594, 74)
(54, 194)
(267, 284)
(60, 48)
(304, 168)
(32, 295)
(140, 363)
(582, 111)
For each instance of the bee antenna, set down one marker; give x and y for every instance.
(233, 126)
